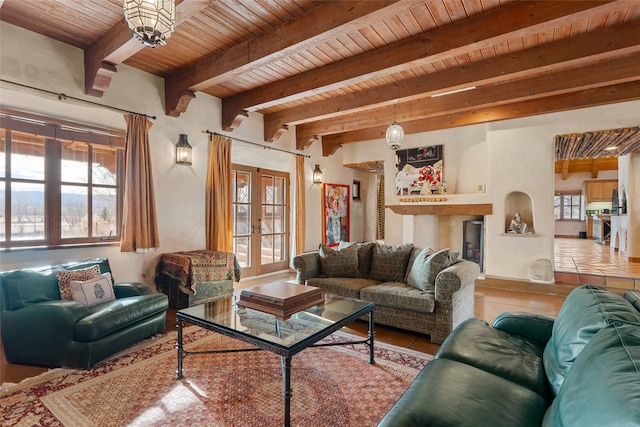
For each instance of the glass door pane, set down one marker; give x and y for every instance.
(242, 222)
(273, 222)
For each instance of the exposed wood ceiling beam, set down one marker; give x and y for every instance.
(598, 45)
(614, 71)
(565, 169)
(496, 26)
(331, 19)
(118, 44)
(595, 168)
(585, 166)
(569, 101)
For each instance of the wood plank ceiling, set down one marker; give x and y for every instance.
(337, 69)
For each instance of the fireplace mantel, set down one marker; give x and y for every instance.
(443, 209)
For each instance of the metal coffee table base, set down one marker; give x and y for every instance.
(285, 355)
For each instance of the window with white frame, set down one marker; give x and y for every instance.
(60, 182)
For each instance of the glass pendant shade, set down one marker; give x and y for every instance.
(152, 21)
(183, 151)
(395, 133)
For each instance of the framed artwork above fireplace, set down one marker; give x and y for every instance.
(417, 168)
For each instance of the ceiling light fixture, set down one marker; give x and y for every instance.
(613, 147)
(152, 21)
(395, 133)
(464, 89)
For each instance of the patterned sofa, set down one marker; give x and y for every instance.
(415, 289)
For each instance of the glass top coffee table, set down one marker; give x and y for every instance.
(283, 337)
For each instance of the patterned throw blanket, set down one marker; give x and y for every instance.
(199, 266)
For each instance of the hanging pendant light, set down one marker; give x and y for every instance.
(395, 133)
(152, 21)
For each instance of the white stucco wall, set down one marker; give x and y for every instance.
(513, 155)
(33, 60)
(508, 156)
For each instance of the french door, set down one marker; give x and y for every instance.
(260, 210)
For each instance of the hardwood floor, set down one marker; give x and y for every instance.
(489, 302)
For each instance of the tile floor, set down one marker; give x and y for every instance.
(582, 261)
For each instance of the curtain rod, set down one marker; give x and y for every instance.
(64, 97)
(266, 147)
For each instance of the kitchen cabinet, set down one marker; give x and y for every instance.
(600, 190)
(589, 226)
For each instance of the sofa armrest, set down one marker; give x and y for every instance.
(42, 328)
(41, 333)
(131, 289)
(455, 278)
(307, 265)
(532, 326)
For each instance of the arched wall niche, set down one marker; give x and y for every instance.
(521, 203)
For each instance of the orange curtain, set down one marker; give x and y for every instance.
(219, 233)
(139, 221)
(300, 205)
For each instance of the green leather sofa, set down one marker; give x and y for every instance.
(39, 328)
(580, 369)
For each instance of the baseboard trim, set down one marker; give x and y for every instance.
(526, 286)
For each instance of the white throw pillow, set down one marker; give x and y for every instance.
(93, 291)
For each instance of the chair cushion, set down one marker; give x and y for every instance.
(603, 386)
(346, 287)
(426, 267)
(633, 298)
(65, 277)
(389, 263)
(450, 393)
(93, 291)
(477, 344)
(114, 315)
(25, 287)
(365, 252)
(341, 262)
(400, 295)
(586, 310)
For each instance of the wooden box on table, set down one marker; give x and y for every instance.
(280, 299)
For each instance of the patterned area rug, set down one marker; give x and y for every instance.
(332, 386)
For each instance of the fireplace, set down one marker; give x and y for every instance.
(473, 242)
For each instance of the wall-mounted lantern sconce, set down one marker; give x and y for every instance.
(183, 151)
(317, 175)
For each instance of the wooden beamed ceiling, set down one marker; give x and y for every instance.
(337, 70)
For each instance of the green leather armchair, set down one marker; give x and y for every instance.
(39, 328)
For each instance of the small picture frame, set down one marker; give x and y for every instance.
(355, 190)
